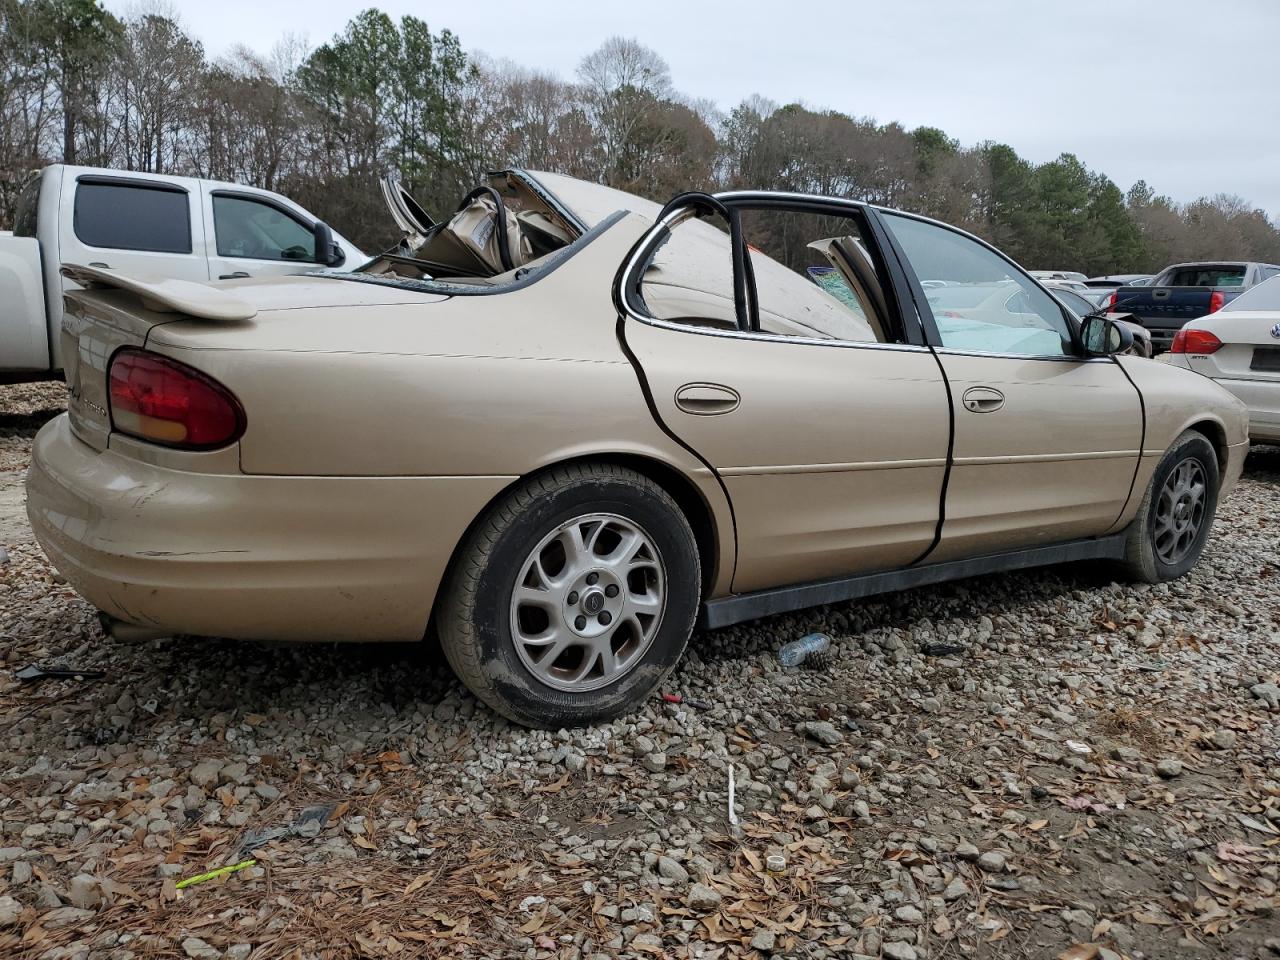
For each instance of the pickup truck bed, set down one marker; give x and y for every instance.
(24, 336)
(1184, 292)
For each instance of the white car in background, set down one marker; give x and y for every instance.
(1239, 346)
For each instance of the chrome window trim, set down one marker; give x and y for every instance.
(1062, 357)
(771, 337)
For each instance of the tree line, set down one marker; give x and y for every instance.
(79, 85)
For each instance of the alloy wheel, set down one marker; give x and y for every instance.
(1179, 511)
(588, 601)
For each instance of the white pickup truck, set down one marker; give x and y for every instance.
(142, 224)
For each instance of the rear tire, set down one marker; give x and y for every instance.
(1168, 535)
(573, 597)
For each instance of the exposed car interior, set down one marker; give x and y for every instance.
(498, 230)
(807, 283)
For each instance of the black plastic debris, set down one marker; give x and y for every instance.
(34, 672)
(941, 649)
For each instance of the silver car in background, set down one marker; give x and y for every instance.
(1239, 347)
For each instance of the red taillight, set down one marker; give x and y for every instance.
(164, 401)
(1194, 341)
(1111, 302)
(1216, 300)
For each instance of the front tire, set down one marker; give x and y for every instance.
(1168, 535)
(573, 597)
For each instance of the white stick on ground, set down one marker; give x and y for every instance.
(733, 817)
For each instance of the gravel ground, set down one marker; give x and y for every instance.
(1091, 771)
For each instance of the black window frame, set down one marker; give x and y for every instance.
(132, 183)
(903, 323)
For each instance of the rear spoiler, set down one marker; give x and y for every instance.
(164, 295)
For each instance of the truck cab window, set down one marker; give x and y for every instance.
(122, 216)
(259, 231)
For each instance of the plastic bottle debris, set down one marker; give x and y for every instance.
(776, 865)
(808, 649)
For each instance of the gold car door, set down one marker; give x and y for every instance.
(1047, 441)
(831, 443)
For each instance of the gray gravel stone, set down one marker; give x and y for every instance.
(1169, 768)
(702, 898)
(991, 861)
(822, 731)
(1224, 739)
(1268, 693)
(205, 773)
(899, 951)
(83, 892)
(197, 949)
(763, 940)
(672, 870)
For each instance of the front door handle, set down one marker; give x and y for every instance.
(707, 399)
(983, 400)
(238, 275)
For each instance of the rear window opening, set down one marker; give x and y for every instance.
(501, 233)
(1221, 276)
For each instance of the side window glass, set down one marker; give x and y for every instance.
(815, 277)
(126, 217)
(980, 301)
(258, 231)
(690, 277)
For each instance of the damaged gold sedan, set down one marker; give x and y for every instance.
(564, 426)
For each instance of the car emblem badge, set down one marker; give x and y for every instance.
(1275, 331)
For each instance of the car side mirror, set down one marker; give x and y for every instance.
(327, 253)
(1103, 337)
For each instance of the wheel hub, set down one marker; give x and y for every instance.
(588, 602)
(1179, 511)
(595, 597)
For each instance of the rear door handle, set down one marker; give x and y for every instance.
(707, 399)
(238, 275)
(983, 400)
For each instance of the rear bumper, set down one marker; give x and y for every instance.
(254, 557)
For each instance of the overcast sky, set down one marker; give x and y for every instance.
(1182, 93)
